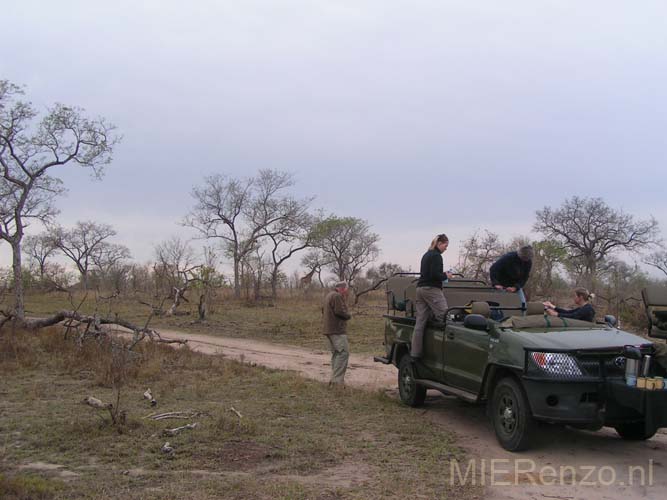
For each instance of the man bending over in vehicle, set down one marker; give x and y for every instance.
(510, 272)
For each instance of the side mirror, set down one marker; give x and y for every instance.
(476, 322)
(610, 320)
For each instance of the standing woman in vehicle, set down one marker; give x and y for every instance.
(584, 310)
(430, 301)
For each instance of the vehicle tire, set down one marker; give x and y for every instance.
(411, 393)
(634, 431)
(510, 413)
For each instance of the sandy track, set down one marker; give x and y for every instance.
(555, 447)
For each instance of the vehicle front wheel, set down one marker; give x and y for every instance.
(411, 393)
(511, 416)
(635, 431)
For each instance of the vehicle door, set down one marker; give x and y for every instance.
(466, 353)
(434, 338)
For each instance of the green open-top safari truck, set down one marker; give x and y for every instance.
(527, 366)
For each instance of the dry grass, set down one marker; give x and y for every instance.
(293, 320)
(296, 438)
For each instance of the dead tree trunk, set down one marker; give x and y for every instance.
(94, 323)
(367, 290)
(19, 299)
(179, 294)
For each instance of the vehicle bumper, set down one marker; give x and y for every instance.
(596, 403)
(631, 404)
(565, 402)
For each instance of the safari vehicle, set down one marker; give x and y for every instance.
(524, 365)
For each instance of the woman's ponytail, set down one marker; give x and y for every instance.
(441, 238)
(584, 294)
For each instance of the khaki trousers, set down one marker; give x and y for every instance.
(430, 303)
(340, 354)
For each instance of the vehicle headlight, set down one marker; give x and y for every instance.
(557, 363)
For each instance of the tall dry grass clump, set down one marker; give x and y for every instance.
(106, 357)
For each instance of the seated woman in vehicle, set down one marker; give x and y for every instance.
(584, 310)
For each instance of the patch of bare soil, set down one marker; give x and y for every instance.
(344, 476)
(243, 455)
(57, 469)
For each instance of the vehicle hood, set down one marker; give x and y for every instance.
(577, 339)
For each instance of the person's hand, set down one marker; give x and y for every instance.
(549, 305)
(499, 287)
(510, 289)
(551, 312)
(448, 275)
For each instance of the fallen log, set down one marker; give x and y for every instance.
(140, 332)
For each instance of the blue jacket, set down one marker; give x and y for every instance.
(584, 313)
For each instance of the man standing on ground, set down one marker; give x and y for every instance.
(336, 317)
(510, 272)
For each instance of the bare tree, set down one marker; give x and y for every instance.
(29, 152)
(287, 237)
(108, 255)
(658, 260)
(591, 231)
(347, 244)
(39, 248)
(477, 253)
(84, 243)
(109, 264)
(220, 203)
(176, 265)
(255, 266)
(175, 257)
(241, 212)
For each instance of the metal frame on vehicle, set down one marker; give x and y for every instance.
(405, 300)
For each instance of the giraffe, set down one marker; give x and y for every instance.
(306, 280)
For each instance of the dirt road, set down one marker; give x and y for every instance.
(565, 463)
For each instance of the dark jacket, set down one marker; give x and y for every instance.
(335, 314)
(431, 270)
(510, 271)
(584, 313)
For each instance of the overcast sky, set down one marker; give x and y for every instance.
(419, 116)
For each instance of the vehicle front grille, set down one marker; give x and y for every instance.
(574, 365)
(602, 366)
